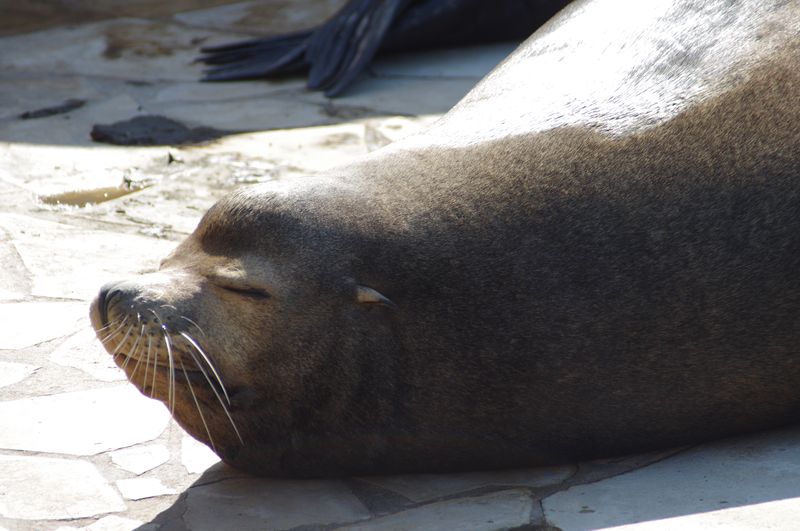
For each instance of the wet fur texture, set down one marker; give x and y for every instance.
(570, 293)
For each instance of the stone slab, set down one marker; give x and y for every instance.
(196, 457)
(141, 488)
(24, 324)
(11, 373)
(107, 523)
(261, 17)
(15, 282)
(250, 504)
(83, 422)
(779, 515)
(500, 510)
(73, 128)
(84, 351)
(140, 459)
(471, 62)
(69, 168)
(695, 488)
(27, 16)
(38, 488)
(49, 252)
(123, 48)
(424, 487)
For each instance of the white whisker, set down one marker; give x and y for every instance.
(216, 393)
(147, 364)
(195, 324)
(205, 357)
(197, 404)
(116, 330)
(171, 379)
(133, 353)
(155, 364)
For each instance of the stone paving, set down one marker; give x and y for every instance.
(82, 449)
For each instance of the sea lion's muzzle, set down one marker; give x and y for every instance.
(145, 325)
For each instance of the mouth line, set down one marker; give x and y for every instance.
(153, 365)
(194, 375)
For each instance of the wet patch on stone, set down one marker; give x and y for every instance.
(81, 198)
(153, 130)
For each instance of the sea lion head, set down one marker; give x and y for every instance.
(230, 330)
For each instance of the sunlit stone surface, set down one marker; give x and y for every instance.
(24, 324)
(140, 459)
(83, 422)
(256, 504)
(429, 486)
(38, 488)
(140, 488)
(83, 351)
(196, 456)
(501, 510)
(735, 482)
(107, 523)
(11, 373)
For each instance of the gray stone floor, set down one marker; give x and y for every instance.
(81, 449)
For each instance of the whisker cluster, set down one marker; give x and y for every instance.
(132, 339)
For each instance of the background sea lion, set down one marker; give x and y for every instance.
(336, 52)
(594, 253)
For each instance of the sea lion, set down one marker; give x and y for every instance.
(596, 252)
(338, 51)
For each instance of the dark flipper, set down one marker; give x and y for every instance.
(336, 52)
(257, 58)
(342, 47)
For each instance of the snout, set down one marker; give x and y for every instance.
(98, 311)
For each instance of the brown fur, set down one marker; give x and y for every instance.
(572, 292)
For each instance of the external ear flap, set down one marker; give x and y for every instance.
(365, 295)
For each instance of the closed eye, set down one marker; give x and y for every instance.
(246, 291)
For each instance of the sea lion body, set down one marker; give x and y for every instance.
(599, 263)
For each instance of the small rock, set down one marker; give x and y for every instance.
(152, 131)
